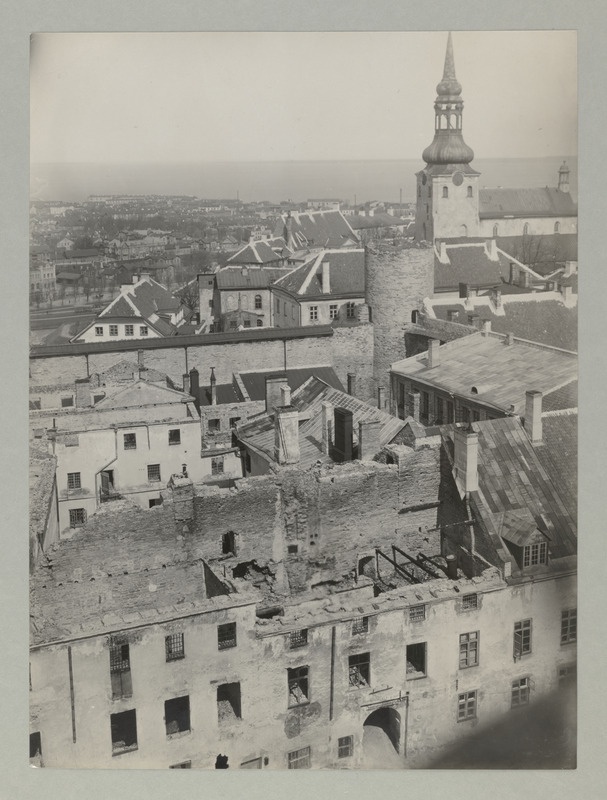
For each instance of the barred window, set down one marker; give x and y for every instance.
(298, 683)
(174, 647)
(359, 669)
(217, 465)
(360, 625)
(130, 441)
(299, 759)
(468, 649)
(153, 472)
(175, 436)
(120, 669)
(522, 638)
(466, 706)
(569, 626)
(345, 746)
(73, 480)
(119, 658)
(298, 638)
(417, 613)
(226, 636)
(77, 517)
(520, 692)
(470, 601)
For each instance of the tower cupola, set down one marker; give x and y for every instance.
(448, 146)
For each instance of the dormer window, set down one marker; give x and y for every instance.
(534, 554)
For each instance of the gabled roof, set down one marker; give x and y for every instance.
(316, 229)
(255, 382)
(308, 401)
(547, 202)
(512, 477)
(124, 370)
(262, 252)
(471, 263)
(488, 370)
(346, 275)
(141, 393)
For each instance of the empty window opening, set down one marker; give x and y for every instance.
(214, 425)
(416, 660)
(67, 402)
(345, 746)
(153, 472)
(298, 639)
(228, 702)
(292, 549)
(226, 636)
(468, 649)
(270, 612)
(35, 745)
(217, 465)
(366, 566)
(130, 441)
(234, 421)
(124, 731)
(175, 436)
(417, 613)
(155, 501)
(77, 517)
(174, 647)
(228, 544)
(466, 706)
(298, 682)
(177, 715)
(120, 670)
(299, 759)
(470, 601)
(360, 625)
(359, 669)
(73, 480)
(569, 626)
(522, 638)
(520, 693)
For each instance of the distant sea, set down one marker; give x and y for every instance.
(278, 180)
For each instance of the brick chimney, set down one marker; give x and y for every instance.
(213, 387)
(433, 353)
(286, 434)
(351, 383)
(486, 327)
(533, 416)
(343, 435)
(369, 439)
(381, 398)
(273, 393)
(415, 402)
(195, 387)
(186, 383)
(325, 278)
(465, 466)
(182, 491)
(327, 426)
(492, 249)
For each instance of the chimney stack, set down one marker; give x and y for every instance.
(325, 277)
(451, 567)
(563, 185)
(273, 393)
(415, 403)
(465, 466)
(509, 338)
(381, 398)
(286, 434)
(285, 395)
(182, 490)
(327, 426)
(343, 435)
(533, 416)
(486, 327)
(140, 359)
(443, 257)
(213, 387)
(195, 387)
(351, 383)
(433, 353)
(186, 383)
(369, 439)
(492, 250)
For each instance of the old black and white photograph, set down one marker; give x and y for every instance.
(303, 400)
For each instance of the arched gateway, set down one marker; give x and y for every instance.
(381, 739)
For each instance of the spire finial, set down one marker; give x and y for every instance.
(449, 70)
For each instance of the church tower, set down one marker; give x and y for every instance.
(447, 188)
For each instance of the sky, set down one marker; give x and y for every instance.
(190, 97)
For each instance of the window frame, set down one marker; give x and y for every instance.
(113, 330)
(467, 703)
(174, 647)
(74, 480)
(298, 638)
(568, 626)
(258, 302)
(333, 311)
(174, 436)
(300, 759)
(67, 402)
(143, 330)
(345, 746)
(217, 465)
(80, 519)
(359, 670)
(522, 639)
(129, 330)
(470, 601)
(469, 649)
(313, 313)
(226, 636)
(535, 554)
(350, 310)
(98, 330)
(153, 470)
(132, 442)
(298, 686)
(417, 613)
(360, 625)
(519, 692)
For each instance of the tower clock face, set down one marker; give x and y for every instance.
(458, 178)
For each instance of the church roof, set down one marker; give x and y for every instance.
(546, 202)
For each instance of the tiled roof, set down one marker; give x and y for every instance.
(317, 229)
(547, 321)
(255, 382)
(226, 393)
(358, 222)
(308, 401)
(559, 454)
(139, 394)
(547, 202)
(346, 275)
(262, 252)
(500, 373)
(243, 278)
(123, 371)
(146, 299)
(543, 252)
(512, 476)
(471, 264)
